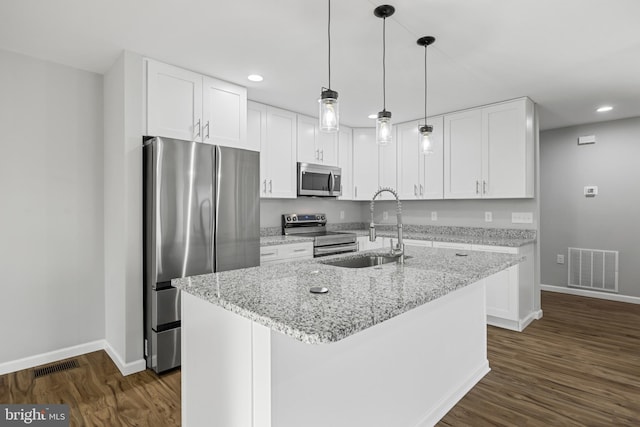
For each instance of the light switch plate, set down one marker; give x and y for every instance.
(385, 215)
(488, 217)
(591, 191)
(589, 139)
(522, 217)
(341, 214)
(434, 216)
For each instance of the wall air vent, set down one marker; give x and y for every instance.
(593, 269)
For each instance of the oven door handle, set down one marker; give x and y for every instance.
(328, 250)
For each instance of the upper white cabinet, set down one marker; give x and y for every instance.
(365, 163)
(275, 130)
(186, 105)
(224, 114)
(489, 152)
(386, 169)
(174, 102)
(420, 176)
(345, 161)
(315, 146)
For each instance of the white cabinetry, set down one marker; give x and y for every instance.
(275, 130)
(510, 292)
(420, 176)
(345, 161)
(365, 163)
(489, 152)
(315, 146)
(282, 253)
(374, 166)
(452, 245)
(186, 105)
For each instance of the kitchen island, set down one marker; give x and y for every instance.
(386, 345)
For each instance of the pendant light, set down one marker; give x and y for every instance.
(424, 131)
(329, 112)
(383, 123)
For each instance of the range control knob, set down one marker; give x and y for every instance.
(322, 217)
(295, 218)
(288, 219)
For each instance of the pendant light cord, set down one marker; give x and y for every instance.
(425, 84)
(384, 71)
(329, 37)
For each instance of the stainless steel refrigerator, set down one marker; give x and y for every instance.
(201, 215)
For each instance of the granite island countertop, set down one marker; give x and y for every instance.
(277, 296)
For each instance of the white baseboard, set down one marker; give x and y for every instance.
(450, 401)
(50, 357)
(76, 350)
(591, 294)
(125, 368)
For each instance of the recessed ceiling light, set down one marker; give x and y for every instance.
(604, 109)
(255, 78)
(373, 116)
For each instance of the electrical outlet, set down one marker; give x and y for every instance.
(488, 216)
(522, 217)
(434, 216)
(560, 259)
(385, 215)
(341, 214)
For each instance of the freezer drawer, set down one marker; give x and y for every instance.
(165, 307)
(166, 349)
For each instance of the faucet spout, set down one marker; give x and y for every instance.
(399, 249)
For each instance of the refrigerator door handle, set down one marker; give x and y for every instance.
(332, 182)
(216, 196)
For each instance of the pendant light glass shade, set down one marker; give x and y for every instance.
(426, 144)
(424, 131)
(329, 112)
(384, 134)
(384, 128)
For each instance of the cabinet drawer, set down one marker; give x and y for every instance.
(452, 245)
(281, 253)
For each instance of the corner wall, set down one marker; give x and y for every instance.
(608, 221)
(51, 211)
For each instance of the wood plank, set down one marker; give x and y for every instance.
(579, 365)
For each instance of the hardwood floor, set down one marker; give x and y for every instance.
(578, 366)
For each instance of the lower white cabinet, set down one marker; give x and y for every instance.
(281, 253)
(510, 292)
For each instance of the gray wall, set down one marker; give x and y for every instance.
(608, 221)
(51, 207)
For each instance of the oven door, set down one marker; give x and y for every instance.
(319, 251)
(319, 180)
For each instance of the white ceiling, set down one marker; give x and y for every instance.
(569, 56)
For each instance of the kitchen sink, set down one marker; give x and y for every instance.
(363, 261)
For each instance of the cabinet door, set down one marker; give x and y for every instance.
(507, 153)
(174, 102)
(224, 112)
(387, 169)
(345, 161)
(328, 145)
(409, 161)
(502, 294)
(281, 153)
(257, 137)
(307, 134)
(432, 184)
(463, 155)
(365, 163)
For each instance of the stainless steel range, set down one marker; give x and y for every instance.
(315, 225)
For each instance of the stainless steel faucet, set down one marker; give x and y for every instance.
(399, 249)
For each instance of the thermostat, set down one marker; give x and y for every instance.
(591, 191)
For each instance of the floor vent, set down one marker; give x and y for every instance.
(57, 367)
(593, 269)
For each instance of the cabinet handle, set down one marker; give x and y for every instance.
(270, 186)
(299, 250)
(322, 155)
(267, 253)
(198, 125)
(421, 190)
(477, 187)
(265, 186)
(415, 190)
(207, 128)
(484, 187)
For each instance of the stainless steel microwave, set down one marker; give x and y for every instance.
(319, 180)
